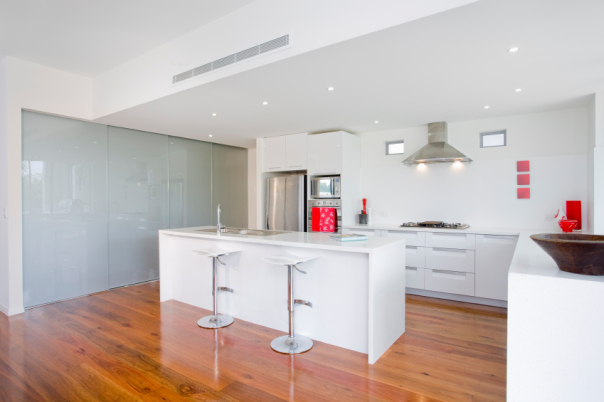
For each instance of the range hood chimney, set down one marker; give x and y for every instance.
(438, 149)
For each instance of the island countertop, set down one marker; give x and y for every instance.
(294, 239)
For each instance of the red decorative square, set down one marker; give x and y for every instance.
(523, 166)
(524, 193)
(524, 179)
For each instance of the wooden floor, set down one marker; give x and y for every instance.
(123, 345)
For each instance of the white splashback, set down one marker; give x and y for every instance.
(482, 193)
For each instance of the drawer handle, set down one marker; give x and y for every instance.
(277, 167)
(295, 165)
(448, 234)
(412, 247)
(454, 273)
(402, 231)
(411, 268)
(449, 250)
(498, 237)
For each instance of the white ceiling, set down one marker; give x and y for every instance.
(91, 37)
(445, 67)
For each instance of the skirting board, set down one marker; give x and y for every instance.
(449, 296)
(6, 311)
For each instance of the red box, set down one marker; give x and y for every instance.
(523, 166)
(524, 179)
(524, 193)
(573, 212)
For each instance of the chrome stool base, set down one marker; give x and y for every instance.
(291, 345)
(215, 321)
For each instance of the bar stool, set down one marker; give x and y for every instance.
(215, 320)
(291, 343)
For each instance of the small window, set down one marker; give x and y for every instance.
(493, 139)
(395, 147)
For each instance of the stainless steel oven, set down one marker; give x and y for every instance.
(335, 204)
(325, 187)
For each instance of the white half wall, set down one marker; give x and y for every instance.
(483, 193)
(39, 88)
(251, 188)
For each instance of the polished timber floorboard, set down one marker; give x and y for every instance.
(123, 345)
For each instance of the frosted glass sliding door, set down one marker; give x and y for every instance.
(64, 179)
(138, 204)
(190, 183)
(229, 185)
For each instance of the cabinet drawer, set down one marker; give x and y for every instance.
(465, 241)
(450, 259)
(365, 232)
(415, 256)
(414, 277)
(460, 283)
(413, 238)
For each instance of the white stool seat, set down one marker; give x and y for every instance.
(287, 259)
(214, 252)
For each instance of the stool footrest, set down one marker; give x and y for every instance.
(224, 289)
(303, 302)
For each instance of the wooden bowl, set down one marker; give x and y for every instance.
(577, 253)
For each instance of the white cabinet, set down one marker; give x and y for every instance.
(451, 240)
(366, 232)
(450, 259)
(460, 283)
(414, 277)
(493, 258)
(412, 238)
(274, 154)
(284, 153)
(296, 151)
(415, 256)
(325, 153)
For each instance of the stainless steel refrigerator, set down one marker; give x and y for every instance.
(286, 203)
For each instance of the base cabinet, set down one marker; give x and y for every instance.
(493, 258)
(461, 283)
(414, 277)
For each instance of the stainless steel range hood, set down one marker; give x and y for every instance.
(438, 149)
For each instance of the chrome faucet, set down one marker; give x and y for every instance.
(220, 226)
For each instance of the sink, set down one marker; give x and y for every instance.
(577, 253)
(248, 232)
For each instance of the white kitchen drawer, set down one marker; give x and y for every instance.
(414, 277)
(465, 241)
(413, 238)
(460, 283)
(366, 232)
(450, 259)
(415, 257)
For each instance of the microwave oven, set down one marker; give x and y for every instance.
(325, 187)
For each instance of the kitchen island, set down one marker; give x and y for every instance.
(357, 288)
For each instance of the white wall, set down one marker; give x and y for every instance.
(482, 193)
(3, 188)
(597, 147)
(39, 88)
(312, 24)
(251, 188)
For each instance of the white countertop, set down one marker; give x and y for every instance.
(475, 230)
(294, 239)
(530, 259)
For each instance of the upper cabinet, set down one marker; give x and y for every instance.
(325, 153)
(287, 152)
(296, 151)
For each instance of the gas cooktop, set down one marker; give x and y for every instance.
(435, 224)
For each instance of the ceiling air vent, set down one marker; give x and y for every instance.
(233, 58)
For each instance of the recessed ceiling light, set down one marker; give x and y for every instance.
(330, 88)
(95, 142)
(486, 107)
(518, 89)
(265, 103)
(210, 135)
(214, 114)
(376, 122)
(513, 49)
